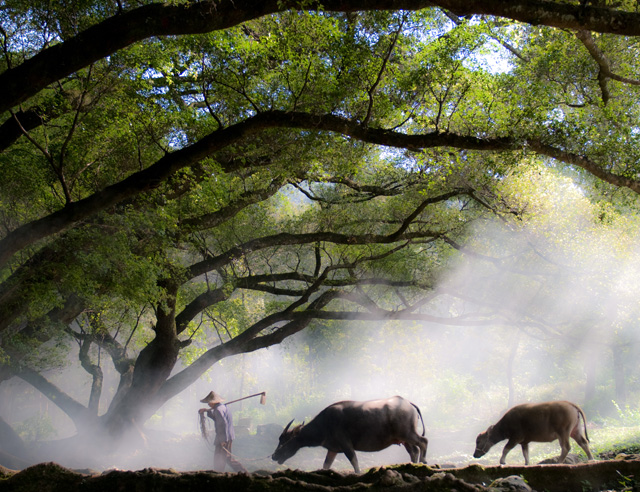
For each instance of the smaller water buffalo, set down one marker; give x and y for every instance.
(536, 422)
(350, 426)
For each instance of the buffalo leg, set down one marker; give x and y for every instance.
(566, 447)
(424, 444)
(525, 452)
(328, 461)
(583, 443)
(351, 456)
(413, 450)
(507, 447)
(421, 443)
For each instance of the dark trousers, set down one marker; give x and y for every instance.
(222, 456)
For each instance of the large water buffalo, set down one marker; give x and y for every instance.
(536, 422)
(350, 426)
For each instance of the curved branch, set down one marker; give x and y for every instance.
(95, 371)
(585, 163)
(603, 63)
(247, 341)
(155, 174)
(115, 349)
(200, 303)
(601, 58)
(214, 219)
(80, 415)
(72, 308)
(166, 19)
(293, 239)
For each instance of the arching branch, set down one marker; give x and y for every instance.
(603, 62)
(167, 19)
(80, 415)
(155, 174)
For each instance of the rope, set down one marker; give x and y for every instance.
(204, 431)
(247, 459)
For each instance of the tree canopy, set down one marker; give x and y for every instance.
(203, 179)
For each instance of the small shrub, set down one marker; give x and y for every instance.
(36, 428)
(627, 416)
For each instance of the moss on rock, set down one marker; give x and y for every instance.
(51, 477)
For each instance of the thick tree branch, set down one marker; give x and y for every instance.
(585, 163)
(603, 63)
(601, 59)
(243, 343)
(199, 304)
(96, 375)
(80, 415)
(165, 19)
(64, 315)
(214, 219)
(293, 239)
(15, 126)
(155, 174)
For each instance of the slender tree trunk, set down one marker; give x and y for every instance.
(510, 363)
(590, 366)
(619, 376)
(96, 376)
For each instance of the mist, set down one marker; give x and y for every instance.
(556, 319)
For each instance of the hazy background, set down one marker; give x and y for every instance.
(565, 293)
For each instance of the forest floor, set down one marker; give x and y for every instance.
(171, 463)
(618, 475)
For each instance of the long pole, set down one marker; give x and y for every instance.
(263, 398)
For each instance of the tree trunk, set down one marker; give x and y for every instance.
(11, 443)
(96, 376)
(590, 366)
(510, 382)
(153, 367)
(619, 378)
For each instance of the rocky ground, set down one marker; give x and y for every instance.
(619, 475)
(174, 463)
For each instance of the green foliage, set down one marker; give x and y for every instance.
(611, 440)
(36, 428)
(627, 416)
(240, 223)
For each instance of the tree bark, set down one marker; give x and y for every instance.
(619, 376)
(155, 174)
(591, 373)
(117, 32)
(96, 376)
(153, 367)
(510, 363)
(81, 416)
(11, 443)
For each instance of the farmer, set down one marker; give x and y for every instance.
(223, 421)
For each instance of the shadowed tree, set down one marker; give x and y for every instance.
(325, 160)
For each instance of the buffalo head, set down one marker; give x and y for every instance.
(288, 443)
(483, 443)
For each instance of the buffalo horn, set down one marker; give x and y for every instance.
(287, 427)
